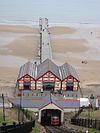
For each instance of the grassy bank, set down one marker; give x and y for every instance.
(1, 117)
(10, 115)
(91, 130)
(94, 114)
(37, 128)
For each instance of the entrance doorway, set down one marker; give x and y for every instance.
(48, 117)
(48, 86)
(69, 86)
(27, 85)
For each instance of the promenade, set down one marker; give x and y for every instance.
(45, 46)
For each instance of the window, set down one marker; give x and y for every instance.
(27, 82)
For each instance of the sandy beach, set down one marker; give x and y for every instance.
(77, 45)
(81, 49)
(18, 44)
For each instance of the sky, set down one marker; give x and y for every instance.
(78, 11)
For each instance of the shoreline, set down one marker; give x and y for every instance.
(36, 22)
(52, 24)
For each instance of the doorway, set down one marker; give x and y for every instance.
(48, 86)
(27, 85)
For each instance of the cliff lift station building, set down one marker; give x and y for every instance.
(47, 76)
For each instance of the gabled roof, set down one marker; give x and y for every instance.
(27, 69)
(67, 70)
(50, 99)
(46, 66)
(37, 71)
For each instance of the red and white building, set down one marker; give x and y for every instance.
(47, 76)
(70, 80)
(26, 78)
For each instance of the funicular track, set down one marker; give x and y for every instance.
(55, 129)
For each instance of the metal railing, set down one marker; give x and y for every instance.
(24, 127)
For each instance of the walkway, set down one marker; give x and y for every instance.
(45, 46)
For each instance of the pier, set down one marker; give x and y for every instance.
(45, 46)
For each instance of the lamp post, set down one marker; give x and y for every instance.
(3, 108)
(19, 107)
(89, 115)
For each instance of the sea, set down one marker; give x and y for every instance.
(58, 12)
(28, 12)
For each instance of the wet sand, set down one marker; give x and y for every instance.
(70, 45)
(18, 29)
(58, 30)
(25, 47)
(8, 76)
(18, 44)
(77, 47)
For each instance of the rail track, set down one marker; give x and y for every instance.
(54, 129)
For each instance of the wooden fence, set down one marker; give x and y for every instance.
(90, 123)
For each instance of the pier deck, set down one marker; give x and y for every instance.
(45, 46)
